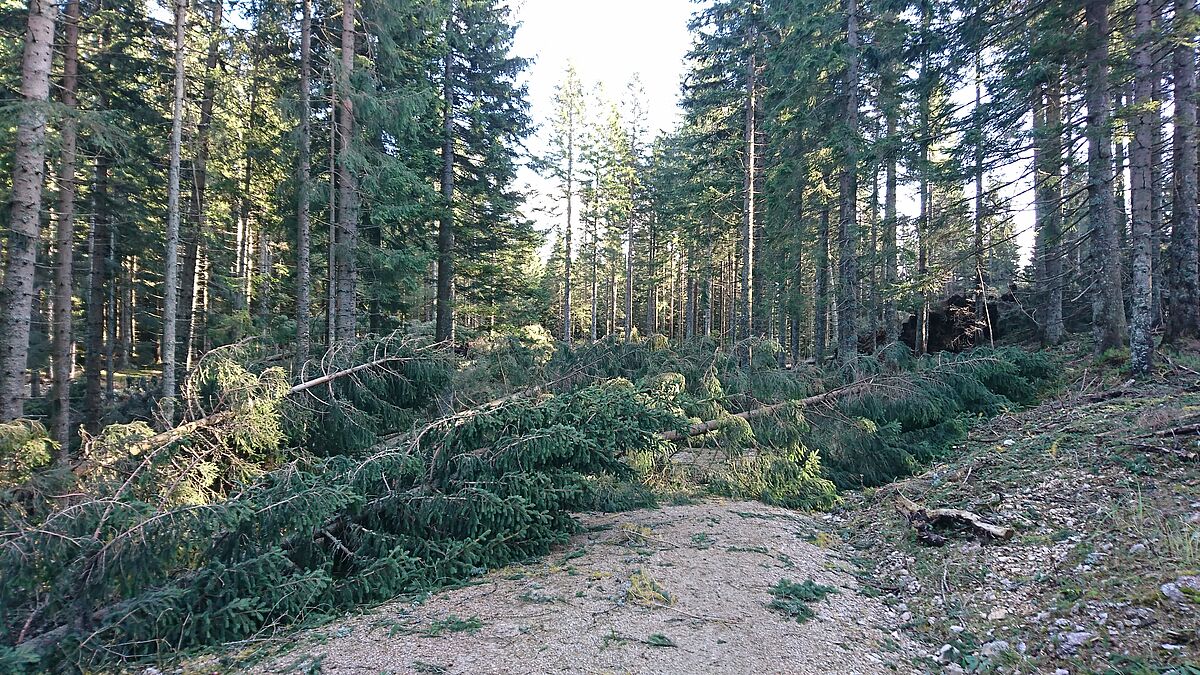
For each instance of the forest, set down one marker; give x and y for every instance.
(305, 308)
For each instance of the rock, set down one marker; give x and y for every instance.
(956, 629)
(1061, 671)
(993, 649)
(906, 617)
(1069, 643)
(1008, 442)
(997, 614)
(948, 654)
(1137, 549)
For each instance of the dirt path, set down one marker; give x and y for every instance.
(597, 606)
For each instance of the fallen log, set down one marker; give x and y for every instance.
(701, 428)
(924, 521)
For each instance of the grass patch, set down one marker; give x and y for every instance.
(795, 600)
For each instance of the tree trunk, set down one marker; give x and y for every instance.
(444, 323)
(981, 308)
(97, 297)
(1183, 321)
(746, 308)
(1141, 342)
(568, 233)
(1108, 313)
(304, 196)
(347, 230)
(29, 157)
(848, 201)
(171, 268)
(64, 270)
(629, 269)
(1049, 196)
(821, 292)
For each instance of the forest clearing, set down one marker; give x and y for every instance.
(689, 336)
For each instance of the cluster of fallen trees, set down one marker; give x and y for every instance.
(275, 504)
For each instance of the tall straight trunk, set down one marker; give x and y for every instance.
(568, 233)
(171, 266)
(1184, 318)
(651, 282)
(96, 299)
(331, 335)
(1050, 196)
(981, 308)
(821, 291)
(925, 221)
(29, 158)
(1157, 176)
(891, 272)
(629, 236)
(1108, 313)
(848, 200)
(110, 315)
(595, 281)
(304, 194)
(1141, 342)
(746, 308)
(64, 240)
(128, 323)
(347, 228)
(444, 324)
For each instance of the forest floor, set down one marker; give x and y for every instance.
(680, 589)
(1100, 483)
(1102, 487)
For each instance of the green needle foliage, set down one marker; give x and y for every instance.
(795, 600)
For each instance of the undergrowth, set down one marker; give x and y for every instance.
(796, 600)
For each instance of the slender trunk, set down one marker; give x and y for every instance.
(651, 283)
(891, 272)
(848, 201)
(347, 229)
(981, 308)
(24, 225)
(1157, 177)
(1108, 313)
(171, 267)
(303, 195)
(568, 232)
(1141, 342)
(444, 324)
(595, 268)
(64, 270)
(921, 342)
(821, 292)
(629, 269)
(331, 295)
(97, 296)
(1183, 321)
(746, 309)
(1050, 181)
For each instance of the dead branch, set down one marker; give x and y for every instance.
(925, 520)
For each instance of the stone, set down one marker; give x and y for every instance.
(1137, 549)
(1069, 643)
(993, 649)
(997, 614)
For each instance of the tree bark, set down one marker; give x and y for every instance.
(746, 307)
(304, 195)
(29, 157)
(848, 200)
(347, 230)
(171, 267)
(1141, 342)
(821, 291)
(444, 323)
(64, 270)
(1183, 321)
(1108, 312)
(97, 297)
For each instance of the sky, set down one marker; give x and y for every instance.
(608, 41)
